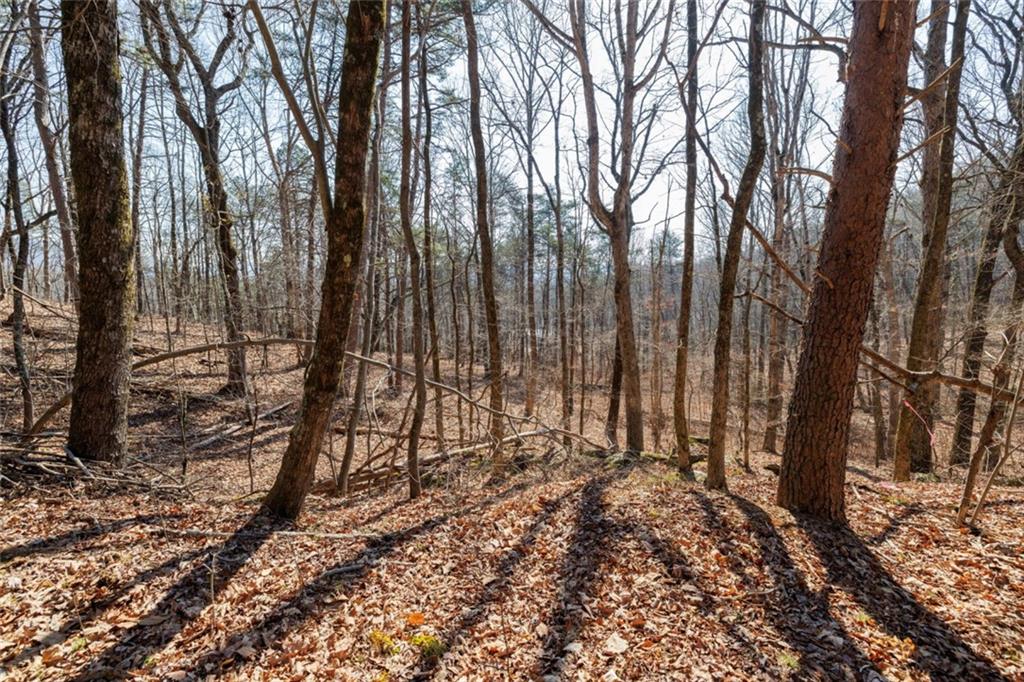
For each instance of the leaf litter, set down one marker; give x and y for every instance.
(584, 573)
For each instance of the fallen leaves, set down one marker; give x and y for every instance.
(489, 583)
(615, 644)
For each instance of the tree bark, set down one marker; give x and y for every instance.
(205, 131)
(483, 228)
(48, 140)
(734, 243)
(817, 431)
(682, 428)
(1006, 209)
(13, 205)
(99, 403)
(428, 227)
(346, 224)
(914, 447)
(405, 208)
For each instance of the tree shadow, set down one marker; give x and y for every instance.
(801, 615)
(938, 650)
(183, 602)
(342, 578)
(168, 411)
(59, 542)
(97, 607)
(896, 523)
(871, 476)
(494, 590)
(592, 536)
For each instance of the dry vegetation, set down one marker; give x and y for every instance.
(598, 569)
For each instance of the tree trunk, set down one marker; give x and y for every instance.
(139, 144)
(817, 431)
(776, 321)
(1007, 209)
(611, 425)
(484, 230)
(20, 261)
(405, 208)
(346, 223)
(428, 227)
(628, 355)
(734, 243)
(48, 140)
(99, 401)
(682, 429)
(913, 448)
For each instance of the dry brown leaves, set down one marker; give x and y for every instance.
(618, 574)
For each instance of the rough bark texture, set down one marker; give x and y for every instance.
(494, 365)
(733, 246)
(346, 223)
(913, 448)
(99, 401)
(814, 454)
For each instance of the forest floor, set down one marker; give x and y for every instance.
(572, 568)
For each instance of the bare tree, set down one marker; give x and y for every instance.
(626, 37)
(913, 448)
(161, 25)
(734, 244)
(405, 210)
(48, 139)
(494, 361)
(346, 223)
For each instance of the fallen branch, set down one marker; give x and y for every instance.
(65, 399)
(238, 427)
(182, 352)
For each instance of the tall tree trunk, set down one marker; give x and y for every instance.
(227, 257)
(611, 424)
(405, 201)
(99, 400)
(483, 229)
(139, 145)
(734, 243)
(1000, 373)
(205, 132)
(48, 140)
(428, 227)
(682, 428)
(1006, 209)
(817, 431)
(531, 305)
(370, 330)
(913, 448)
(776, 321)
(20, 261)
(564, 360)
(346, 224)
(628, 355)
